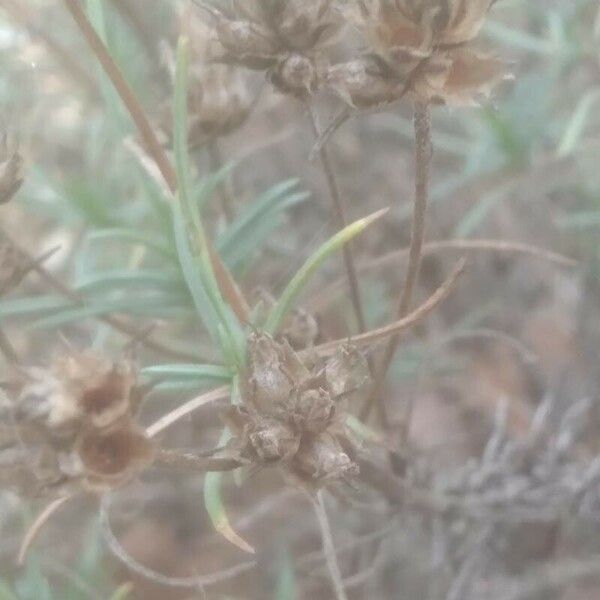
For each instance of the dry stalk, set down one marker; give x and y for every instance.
(328, 546)
(422, 124)
(322, 300)
(227, 284)
(341, 214)
(36, 527)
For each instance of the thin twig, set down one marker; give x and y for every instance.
(329, 546)
(179, 582)
(38, 525)
(402, 324)
(340, 211)
(320, 302)
(185, 409)
(187, 461)
(227, 284)
(422, 123)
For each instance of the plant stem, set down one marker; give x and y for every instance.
(329, 546)
(423, 150)
(341, 214)
(228, 286)
(225, 196)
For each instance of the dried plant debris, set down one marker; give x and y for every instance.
(11, 170)
(73, 424)
(420, 49)
(285, 38)
(294, 412)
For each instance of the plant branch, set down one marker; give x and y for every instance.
(423, 149)
(328, 546)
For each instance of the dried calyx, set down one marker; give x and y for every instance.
(294, 411)
(11, 170)
(419, 48)
(74, 424)
(285, 38)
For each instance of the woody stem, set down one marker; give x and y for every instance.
(423, 153)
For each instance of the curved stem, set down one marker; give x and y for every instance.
(423, 150)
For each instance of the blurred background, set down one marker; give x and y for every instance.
(520, 331)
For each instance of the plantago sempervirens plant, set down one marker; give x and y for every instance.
(419, 48)
(285, 38)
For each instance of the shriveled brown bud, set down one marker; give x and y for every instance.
(321, 459)
(313, 411)
(267, 382)
(113, 458)
(11, 170)
(347, 371)
(274, 441)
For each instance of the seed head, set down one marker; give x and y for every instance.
(420, 49)
(285, 38)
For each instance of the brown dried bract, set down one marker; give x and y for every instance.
(420, 49)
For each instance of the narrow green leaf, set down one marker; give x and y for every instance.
(122, 592)
(124, 278)
(132, 237)
(194, 372)
(301, 278)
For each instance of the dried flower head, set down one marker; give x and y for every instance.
(292, 413)
(73, 424)
(419, 48)
(219, 97)
(286, 38)
(80, 387)
(11, 170)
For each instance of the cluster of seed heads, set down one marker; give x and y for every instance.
(294, 409)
